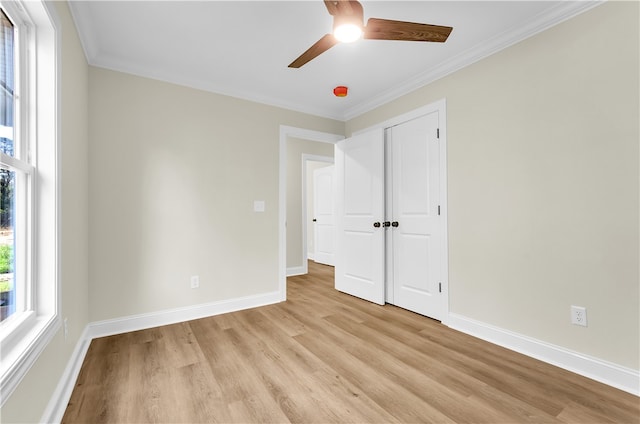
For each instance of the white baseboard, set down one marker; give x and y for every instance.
(310, 255)
(614, 375)
(54, 411)
(296, 270)
(173, 316)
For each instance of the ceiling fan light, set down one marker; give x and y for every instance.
(347, 33)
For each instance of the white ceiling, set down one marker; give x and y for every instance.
(242, 48)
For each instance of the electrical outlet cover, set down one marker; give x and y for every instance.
(579, 315)
(195, 282)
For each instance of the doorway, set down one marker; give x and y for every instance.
(286, 134)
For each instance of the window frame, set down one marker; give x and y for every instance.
(25, 336)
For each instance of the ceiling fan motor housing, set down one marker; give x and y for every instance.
(353, 17)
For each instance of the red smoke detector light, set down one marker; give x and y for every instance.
(340, 91)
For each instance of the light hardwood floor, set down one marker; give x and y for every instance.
(326, 357)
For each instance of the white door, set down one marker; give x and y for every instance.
(360, 235)
(416, 224)
(323, 215)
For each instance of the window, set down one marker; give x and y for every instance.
(15, 176)
(29, 301)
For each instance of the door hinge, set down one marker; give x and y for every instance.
(438, 209)
(438, 133)
(439, 287)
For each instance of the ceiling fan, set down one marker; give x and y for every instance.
(348, 25)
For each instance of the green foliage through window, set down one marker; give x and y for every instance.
(6, 259)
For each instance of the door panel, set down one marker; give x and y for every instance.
(359, 174)
(359, 161)
(323, 215)
(415, 197)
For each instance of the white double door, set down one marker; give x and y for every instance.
(389, 228)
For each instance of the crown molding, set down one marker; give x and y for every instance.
(541, 22)
(113, 64)
(82, 19)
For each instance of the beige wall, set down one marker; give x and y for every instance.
(295, 149)
(174, 173)
(543, 183)
(28, 402)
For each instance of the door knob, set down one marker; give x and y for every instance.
(394, 224)
(386, 224)
(314, 220)
(376, 224)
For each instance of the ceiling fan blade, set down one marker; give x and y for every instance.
(332, 7)
(321, 46)
(385, 29)
(342, 7)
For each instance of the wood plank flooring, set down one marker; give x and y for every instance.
(326, 357)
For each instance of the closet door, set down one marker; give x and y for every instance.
(416, 224)
(360, 234)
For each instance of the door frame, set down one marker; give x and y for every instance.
(439, 106)
(305, 230)
(285, 133)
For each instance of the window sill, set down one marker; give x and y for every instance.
(17, 358)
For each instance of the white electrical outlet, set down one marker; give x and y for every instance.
(195, 281)
(579, 315)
